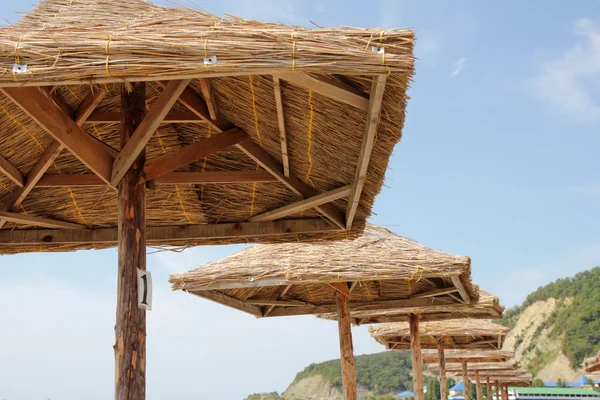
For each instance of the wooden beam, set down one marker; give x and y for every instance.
(417, 358)
(341, 287)
(279, 293)
(130, 328)
(346, 347)
(172, 117)
(173, 178)
(56, 99)
(197, 105)
(191, 153)
(279, 303)
(88, 105)
(461, 290)
(433, 293)
(281, 120)
(305, 204)
(206, 88)
(34, 175)
(232, 302)
(159, 234)
(11, 172)
(375, 102)
(265, 160)
(63, 129)
(443, 379)
(23, 219)
(146, 129)
(328, 87)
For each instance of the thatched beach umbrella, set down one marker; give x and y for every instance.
(456, 368)
(378, 271)
(125, 123)
(465, 357)
(487, 307)
(441, 335)
(497, 376)
(592, 364)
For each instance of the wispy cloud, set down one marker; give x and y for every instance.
(571, 82)
(458, 66)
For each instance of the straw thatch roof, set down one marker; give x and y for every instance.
(487, 307)
(274, 119)
(524, 380)
(379, 270)
(515, 373)
(592, 364)
(493, 366)
(450, 334)
(458, 356)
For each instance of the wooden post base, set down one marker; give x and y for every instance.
(443, 380)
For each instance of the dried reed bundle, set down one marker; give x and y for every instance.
(456, 367)
(76, 41)
(469, 329)
(487, 307)
(378, 255)
(485, 356)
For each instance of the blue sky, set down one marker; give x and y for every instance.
(499, 161)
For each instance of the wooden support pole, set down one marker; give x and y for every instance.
(417, 358)
(465, 379)
(130, 329)
(488, 387)
(346, 348)
(478, 385)
(443, 380)
(504, 392)
(496, 387)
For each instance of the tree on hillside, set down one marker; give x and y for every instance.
(537, 382)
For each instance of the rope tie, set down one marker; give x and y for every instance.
(251, 83)
(309, 138)
(383, 53)
(293, 52)
(107, 51)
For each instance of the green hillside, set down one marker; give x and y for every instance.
(576, 322)
(387, 372)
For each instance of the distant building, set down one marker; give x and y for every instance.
(544, 393)
(579, 383)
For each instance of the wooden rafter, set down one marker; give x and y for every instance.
(173, 178)
(265, 160)
(305, 204)
(281, 121)
(197, 105)
(191, 153)
(60, 125)
(23, 219)
(461, 289)
(34, 175)
(279, 293)
(341, 287)
(433, 293)
(232, 302)
(329, 87)
(206, 88)
(11, 172)
(88, 105)
(56, 99)
(43, 163)
(375, 102)
(172, 117)
(170, 234)
(146, 129)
